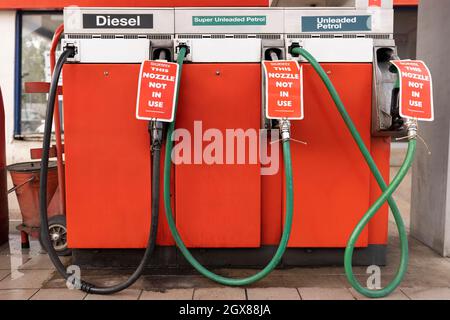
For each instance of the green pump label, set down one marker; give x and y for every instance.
(336, 23)
(229, 20)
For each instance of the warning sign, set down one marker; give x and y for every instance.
(416, 90)
(284, 90)
(157, 89)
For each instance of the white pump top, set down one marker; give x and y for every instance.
(119, 35)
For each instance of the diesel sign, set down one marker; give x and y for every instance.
(118, 21)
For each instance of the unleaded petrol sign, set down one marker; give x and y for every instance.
(336, 23)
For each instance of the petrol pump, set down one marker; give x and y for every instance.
(321, 197)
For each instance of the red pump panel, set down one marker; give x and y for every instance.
(271, 201)
(108, 164)
(378, 226)
(331, 178)
(219, 205)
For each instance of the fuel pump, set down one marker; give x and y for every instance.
(411, 127)
(103, 48)
(220, 53)
(374, 42)
(285, 134)
(224, 48)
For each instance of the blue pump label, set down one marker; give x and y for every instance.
(336, 23)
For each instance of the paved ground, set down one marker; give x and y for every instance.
(30, 275)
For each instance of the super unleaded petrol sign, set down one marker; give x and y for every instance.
(416, 90)
(283, 90)
(158, 82)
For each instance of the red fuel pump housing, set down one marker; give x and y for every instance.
(217, 206)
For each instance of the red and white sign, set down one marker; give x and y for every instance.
(158, 82)
(284, 90)
(416, 90)
(374, 3)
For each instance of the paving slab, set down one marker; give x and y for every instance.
(427, 293)
(41, 262)
(17, 294)
(272, 294)
(128, 294)
(219, 294)
(396, 295)
(296, 278)
(325, 294)
(3, 274)
(12, 262)
(172, 294)
(26, 279)
(59, 294)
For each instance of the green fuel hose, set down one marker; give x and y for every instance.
(185, 251)
(387, 190)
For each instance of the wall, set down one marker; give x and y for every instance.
(430, 216)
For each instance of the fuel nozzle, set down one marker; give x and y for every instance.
(72, 49)
(273, 54)
(285, 130)
(294, 53)
(412, 128)
(397, 121)
(185, 46)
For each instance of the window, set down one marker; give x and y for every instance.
(36, 31)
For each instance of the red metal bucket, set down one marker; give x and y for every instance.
(25, 177)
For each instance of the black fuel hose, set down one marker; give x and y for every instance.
(45, 237)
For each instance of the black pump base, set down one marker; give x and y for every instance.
(170, 258)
